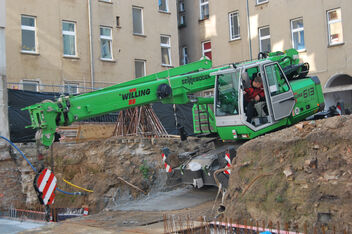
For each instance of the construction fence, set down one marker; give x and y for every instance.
(39, 214)
(184, 224)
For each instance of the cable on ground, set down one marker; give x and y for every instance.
(34, 169)
(76, 186)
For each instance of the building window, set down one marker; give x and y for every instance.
(139, 68)
(30, 85)
(184, 55)
(163, 5)
(165, 50)
(182, 6)
(264, 39)
(69, 38)
(234, 26)
(335, 27)
(297, 31)
(105, 0)
(137, 20)
(204, 9)
(106, 43)
(71, 88)
(261, 1)
(28, 26)
(206, 49)
(182, 20)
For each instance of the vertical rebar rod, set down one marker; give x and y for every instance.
(245, 226)
(286, 227)
(263, 226)
(323, 229)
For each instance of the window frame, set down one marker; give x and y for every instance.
(181, 7)
(230, 25)
(36, 82)
(167, 6)
(329, 22)
(259, 3)
(263, 38)
(298, 30)
(110, 44)
(181, 24)
(142, 21)
(201, 4)
(69, 33)
(185, 59)
(168, 46)
(70, 84)
(30, 28)
(207, 50)
(144, 68)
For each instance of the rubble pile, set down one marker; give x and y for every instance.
(296, 175)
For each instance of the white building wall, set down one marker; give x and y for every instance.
(4, 123)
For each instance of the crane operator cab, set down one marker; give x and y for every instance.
(253, 97)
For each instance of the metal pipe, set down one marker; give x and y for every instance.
(249, 32)
(91, 48)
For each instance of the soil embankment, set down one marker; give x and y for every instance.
(299, 174)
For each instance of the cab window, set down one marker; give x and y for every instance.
(227, 94)
(277, 83)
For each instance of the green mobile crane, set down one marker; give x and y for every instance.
(290, 96)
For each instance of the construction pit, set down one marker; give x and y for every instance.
(298, 178)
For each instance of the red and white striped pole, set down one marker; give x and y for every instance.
(228, 164)
(167, 166)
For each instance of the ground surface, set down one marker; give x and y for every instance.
(143, 216)
(296, 175)
(8, 226)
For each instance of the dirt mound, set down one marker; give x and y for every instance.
(299, 174)
(107, 166)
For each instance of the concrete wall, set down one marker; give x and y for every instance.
(49, 66)
(2, 14)
(4, 127)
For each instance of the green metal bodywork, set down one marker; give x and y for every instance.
(182, 81)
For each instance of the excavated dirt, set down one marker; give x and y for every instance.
(296, 175)
(110, 167)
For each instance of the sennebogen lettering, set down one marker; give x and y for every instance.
(191, 80)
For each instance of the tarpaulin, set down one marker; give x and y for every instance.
(18, 120)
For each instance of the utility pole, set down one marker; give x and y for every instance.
(4, 123)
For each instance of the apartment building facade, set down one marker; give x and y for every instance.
(75, 46)
(238, 30)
